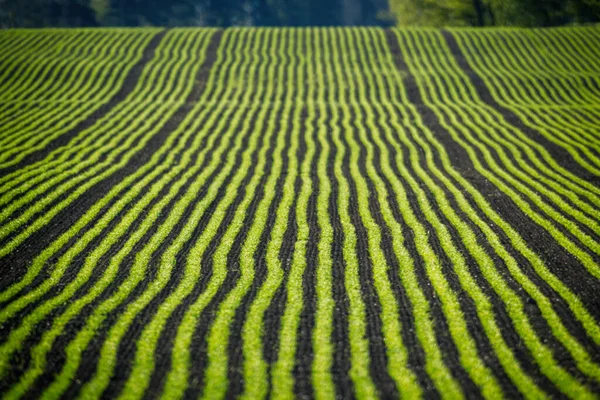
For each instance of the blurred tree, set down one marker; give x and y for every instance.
(495, 12)
(440, 13)
(40, 13)
(101, 9)
(37, 13)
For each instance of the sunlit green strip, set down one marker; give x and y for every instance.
(580, 355)
(137, 273)
(39, 352)
(34, 146)
(178, 377)
(578, 93)
(135, 140)
(396, 351)
(144, 361)
(15, 339)
(282, 378)
(32, 272)
(571, 299)
(19, 130)
(364, 386)
(456, 320)
(566, 53)
(104, 63)
(425, 332)
(256, 368)
(144, 358)
(518, 243)
(147, 342)
(46, 114)
(580, 153)
(412, 116)
(544, 356)
(82, 148)
(21, 65)
(119, 117)
(218, 337)
(67, 72)
(14, 44)
(533, 176)
(322, 345)
(497, 175)
(35, 77)
(47, 67)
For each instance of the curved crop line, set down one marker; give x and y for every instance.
(8, 100)
(38, 145)
(90, 136)
(529, 53)
(218, 337)
(566, 82)
(529, 175)
(282, 378)
(357, 326)
(14, 45)
(104, 71)
(177, 379)
(194, 189)
(357, 109)
(191, 274)
(28, 109)
(16, 337)
(255, 366)
(519, 318)
(39, 352)
(586, 43)
(24, 127)
(568, 177)
(576, 43)
(497, 175)
(53, 74)
(107, 360)
(434, 363)
(553, 64)
(593, 327)
(518, 243)
(13, 289)
(41, 69)
(20, 67)
(561, 138)
(133, 143)
(558, 173)
(83, 146)
(455, 317)
(505, 356)
(323, 347)
(397, 353)
(517, 69)
(563, 50)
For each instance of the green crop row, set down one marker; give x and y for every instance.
(311, 155)
(549, 79)
(69, 78)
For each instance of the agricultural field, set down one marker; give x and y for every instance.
(309, 212)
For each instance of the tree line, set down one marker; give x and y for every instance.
(76, 13)
(529, 13)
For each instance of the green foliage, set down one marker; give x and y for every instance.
(435, 13)
(528, 13)
(101, 8)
